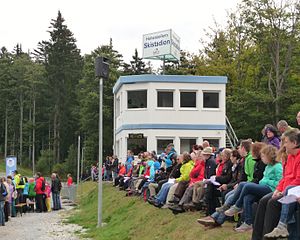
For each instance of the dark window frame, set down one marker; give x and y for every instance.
(211, 92)
(184, 92)
(168, 140)
(137, 106)
(164, 91)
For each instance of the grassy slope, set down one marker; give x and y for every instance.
(23, 171)
(132, 219)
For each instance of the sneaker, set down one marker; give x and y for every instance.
(278, 233)
(189, 206)
(223, 208)
(232, 211)
(244, 228)
(166, 206)
(176, 209)
(206, 221)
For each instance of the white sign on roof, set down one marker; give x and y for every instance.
(161, 45)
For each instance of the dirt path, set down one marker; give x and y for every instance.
(40, 226)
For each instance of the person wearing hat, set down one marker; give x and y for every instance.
(272, 136)
(223, 177)
(210, 170)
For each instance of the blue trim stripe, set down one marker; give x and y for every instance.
(168, 78)
(171, 127)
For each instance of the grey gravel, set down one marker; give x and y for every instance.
(41, 226)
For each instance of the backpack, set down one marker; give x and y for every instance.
(22, 181)
(43, 188)
(3, 190)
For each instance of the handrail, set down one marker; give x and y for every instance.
(230, 128)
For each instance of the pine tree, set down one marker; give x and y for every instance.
(63, 65)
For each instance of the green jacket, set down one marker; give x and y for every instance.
(185, 171)
(272, 175)
(249, 167)
(31, 191)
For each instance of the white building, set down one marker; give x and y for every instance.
(151, 111)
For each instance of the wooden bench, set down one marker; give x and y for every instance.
(31, 205)
(20, 206)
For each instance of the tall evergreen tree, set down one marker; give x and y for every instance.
(136, 66)
(63, 65)
(89, 99)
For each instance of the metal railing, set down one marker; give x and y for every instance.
(231, 138)
(69, 192)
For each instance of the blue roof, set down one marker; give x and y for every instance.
(168, 78)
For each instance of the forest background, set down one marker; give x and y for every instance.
(50, 96)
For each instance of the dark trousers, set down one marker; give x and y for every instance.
(160, 183)
(212, 195)
(6, 211)
(40, 203)
(267, 216)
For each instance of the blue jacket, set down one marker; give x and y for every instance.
(26, 189)
(128, 163)
(152, 170)
(168, 159)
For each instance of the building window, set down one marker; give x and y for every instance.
(188, 99)
(210, 100)
(137, 99)
(137, 145)
(118, 107)
(213, 142)
(187, 144)
(162, 144)
(164, 99)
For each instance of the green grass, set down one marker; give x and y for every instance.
(130, 218)
(24, 171)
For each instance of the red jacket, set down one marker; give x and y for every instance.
(38, 185)
(69, 181)
(147, 173)
(122, 171)
(291, 173)
(220, 168)
(197, 173)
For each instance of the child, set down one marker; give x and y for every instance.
(48, 196)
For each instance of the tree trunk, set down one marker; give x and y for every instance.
(33, 138)
(5, 141)
(13, 144)
(55, 129)
(29, 136)
(21, 131)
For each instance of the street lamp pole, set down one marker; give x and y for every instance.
(101, 72)
(100, 149)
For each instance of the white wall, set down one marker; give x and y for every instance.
(153, 134)
(177, 115)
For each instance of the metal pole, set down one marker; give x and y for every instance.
(100, 153)
(78, 160)
(164, 65)
(33, 139)
(81, 170)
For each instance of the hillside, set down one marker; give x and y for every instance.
(24, 171)
(133, 219)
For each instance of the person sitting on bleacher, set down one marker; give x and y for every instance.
(291, 178)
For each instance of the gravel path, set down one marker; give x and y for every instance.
(40, 226)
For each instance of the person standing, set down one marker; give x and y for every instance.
(3, 194)
(298, 119)
(40, 192)
(69, 180)
(55, 190)
(115, 164)
(8, 195)
(19, 185)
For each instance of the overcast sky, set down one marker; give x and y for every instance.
(93, 22)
